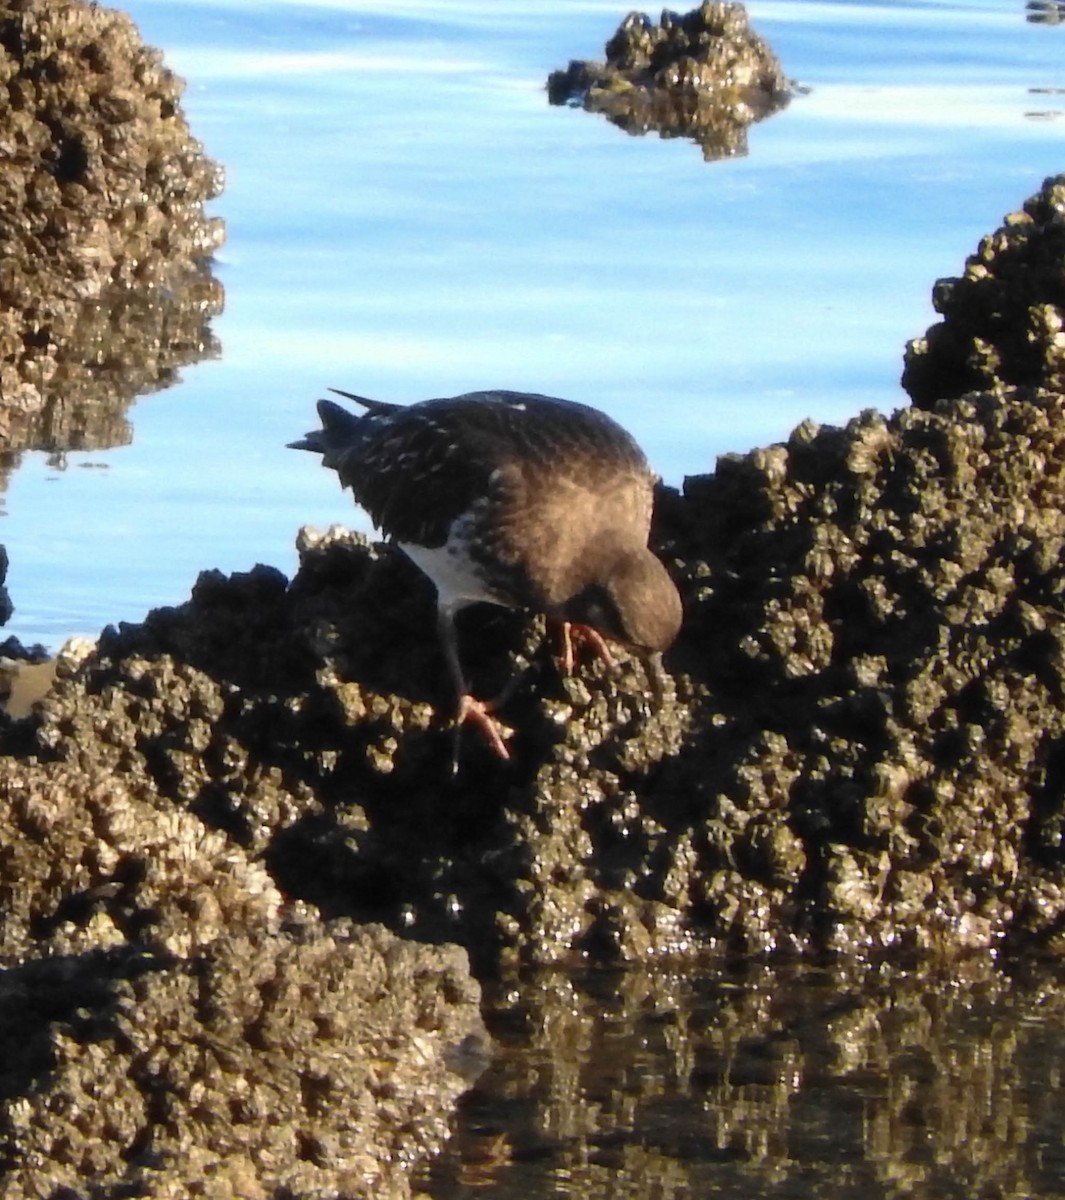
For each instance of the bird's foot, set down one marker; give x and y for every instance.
(478, 712)
(573, 635)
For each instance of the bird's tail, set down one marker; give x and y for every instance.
(341, 430)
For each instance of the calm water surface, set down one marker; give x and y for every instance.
(830, 1084)
(408, 217)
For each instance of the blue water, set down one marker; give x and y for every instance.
(408, 217)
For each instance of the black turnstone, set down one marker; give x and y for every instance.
(521, 500)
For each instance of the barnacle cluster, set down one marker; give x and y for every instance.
(172, 1029)
(856, 752)
(105, 284)
(705, 75)
(879, 612)
(1004, 317)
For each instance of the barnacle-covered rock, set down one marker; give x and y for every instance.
(1004, 318)
(854, 752)
(169, 1025)
(105, 286)
(705, 75)
(919, 550)
(862, 748)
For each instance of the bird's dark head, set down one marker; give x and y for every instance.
(634, 601)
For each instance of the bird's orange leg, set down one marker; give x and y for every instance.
(478, 712)
(572, 634)
(470, 709)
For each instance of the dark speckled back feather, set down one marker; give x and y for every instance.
(416, 469)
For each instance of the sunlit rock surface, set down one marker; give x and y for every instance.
(105, 284)
(860, 751)
(170, 1028)
(705, 75)
(1004, 317)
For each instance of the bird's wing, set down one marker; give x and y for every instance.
(417, 470)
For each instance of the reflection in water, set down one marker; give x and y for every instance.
(105, 287)
(839, 1081)
(122, 345)
(1046, 12)
(705, 75)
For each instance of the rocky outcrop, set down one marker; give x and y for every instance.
(228, 833)
(705, 75)
(170, 1025)
(861, 749)
(105, 284)
(1004, 317)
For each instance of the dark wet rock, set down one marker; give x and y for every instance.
(1045, 12)
(105, 286)
(1004, 318)
(14, 656)
(705, 75)
(6, 607)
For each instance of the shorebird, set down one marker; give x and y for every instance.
(516, 499)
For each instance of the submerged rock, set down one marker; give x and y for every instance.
(705, 75)
(105, 284)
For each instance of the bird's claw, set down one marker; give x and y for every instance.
(573, 633)
(478, 712)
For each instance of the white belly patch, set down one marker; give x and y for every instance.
(457, 578)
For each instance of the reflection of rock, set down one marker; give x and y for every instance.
(704, 75)
(1004, 319)
(773, 1082)
(104, 245)
(1046, 12)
